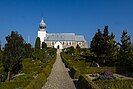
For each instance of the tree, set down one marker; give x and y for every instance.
(28, 50)
(69, 50)
(109, 47)
(111, 51)
(96, 44)
(1, 54)
(104, 47)
(37, 43)
(13, 53)
(44, 45)
(125, 52)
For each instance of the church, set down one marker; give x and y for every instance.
(60, 40)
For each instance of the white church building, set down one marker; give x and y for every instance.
(60, 40)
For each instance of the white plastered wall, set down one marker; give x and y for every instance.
(58, 44)
(42, 34)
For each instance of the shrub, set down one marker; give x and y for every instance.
(74, 73)
(13, 84)
(40, 80)
(94, 70)
(85, 83)
(115, 84)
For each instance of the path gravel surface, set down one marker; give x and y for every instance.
(59, 77)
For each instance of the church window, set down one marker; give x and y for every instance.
(71, 43)
(80, 43)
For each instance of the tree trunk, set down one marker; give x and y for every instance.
(8, 76)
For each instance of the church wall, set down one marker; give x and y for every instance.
(65, 44)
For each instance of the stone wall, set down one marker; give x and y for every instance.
(65, 45)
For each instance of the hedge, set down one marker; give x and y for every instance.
(93, 70)
(85, 83)
(41, 78)
(115, 84)
(14, 84)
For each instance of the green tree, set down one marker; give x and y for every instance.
(104, 47)
(28, 50)
(1, 54)
(111, 51)
(109, 48)
(13, 53)
(44, 45)
(96, 44)
(125, 52)
(69, 50)
(77, 50)
(37, 43)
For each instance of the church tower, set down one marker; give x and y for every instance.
(42, 31)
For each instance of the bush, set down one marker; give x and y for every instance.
(94, 70)
(13, 84)
(85, 83)
(74, 73)
(41, 78)
(115, 84)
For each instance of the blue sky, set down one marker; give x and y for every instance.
(82, 17)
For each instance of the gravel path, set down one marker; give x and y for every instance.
(59, 77)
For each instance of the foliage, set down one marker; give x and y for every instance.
(106, 75)
(1, 54)
(85, 83)
(69, 50)
(40, 80)
(115, 84)
(44, 45)
(13, 84)
(28, 50)
(13, 53)
(37, 54)
(125, 52)
(104, 47)
(37, 43)
(96, 43)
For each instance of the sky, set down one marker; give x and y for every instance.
(82, 17)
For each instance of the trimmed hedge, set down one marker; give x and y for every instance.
(85, 83)
(41, 78)
(115, 84)
(93, 70)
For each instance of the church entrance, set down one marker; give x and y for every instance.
(58, 45)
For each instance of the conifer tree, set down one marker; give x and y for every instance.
(104, 46)
(44, 45)
(125, 52)
(96, 42)
(37, 43)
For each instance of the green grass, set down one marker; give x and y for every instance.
(13, 84)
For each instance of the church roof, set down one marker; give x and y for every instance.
(64, 37)
(79, 38)
(42, 24)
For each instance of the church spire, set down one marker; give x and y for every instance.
(42, 25)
